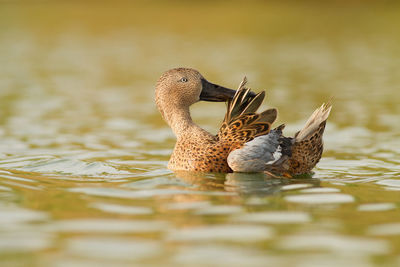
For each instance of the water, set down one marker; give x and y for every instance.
(83, 150)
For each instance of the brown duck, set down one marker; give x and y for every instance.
(245, 141)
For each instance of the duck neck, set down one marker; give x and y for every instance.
(180, 121)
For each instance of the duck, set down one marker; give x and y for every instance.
(246, 141)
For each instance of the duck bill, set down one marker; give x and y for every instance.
(215, 93)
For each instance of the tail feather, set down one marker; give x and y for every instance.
(319, 115)
(308, 146)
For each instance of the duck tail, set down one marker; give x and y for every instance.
(308, 145)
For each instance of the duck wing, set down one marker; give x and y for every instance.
(241, 123)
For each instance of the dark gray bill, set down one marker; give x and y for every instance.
(215, 93)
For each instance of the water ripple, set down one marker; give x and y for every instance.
(277, 217)
(231, 233)
(117, 249)
(320, 199)
(335, 243)
(73, 167)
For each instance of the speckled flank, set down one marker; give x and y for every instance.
(198, 150)
(200, 155)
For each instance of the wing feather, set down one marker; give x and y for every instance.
(242, 123)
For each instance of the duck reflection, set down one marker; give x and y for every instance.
(203, 181)
(253, 183)
(259, 184)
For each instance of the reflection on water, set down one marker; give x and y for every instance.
(83, 150)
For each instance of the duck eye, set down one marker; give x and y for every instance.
(183, 80)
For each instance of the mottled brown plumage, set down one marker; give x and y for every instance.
(241, 123)
(198, 150)
(307, 153)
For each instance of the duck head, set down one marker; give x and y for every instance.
(180, 88)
